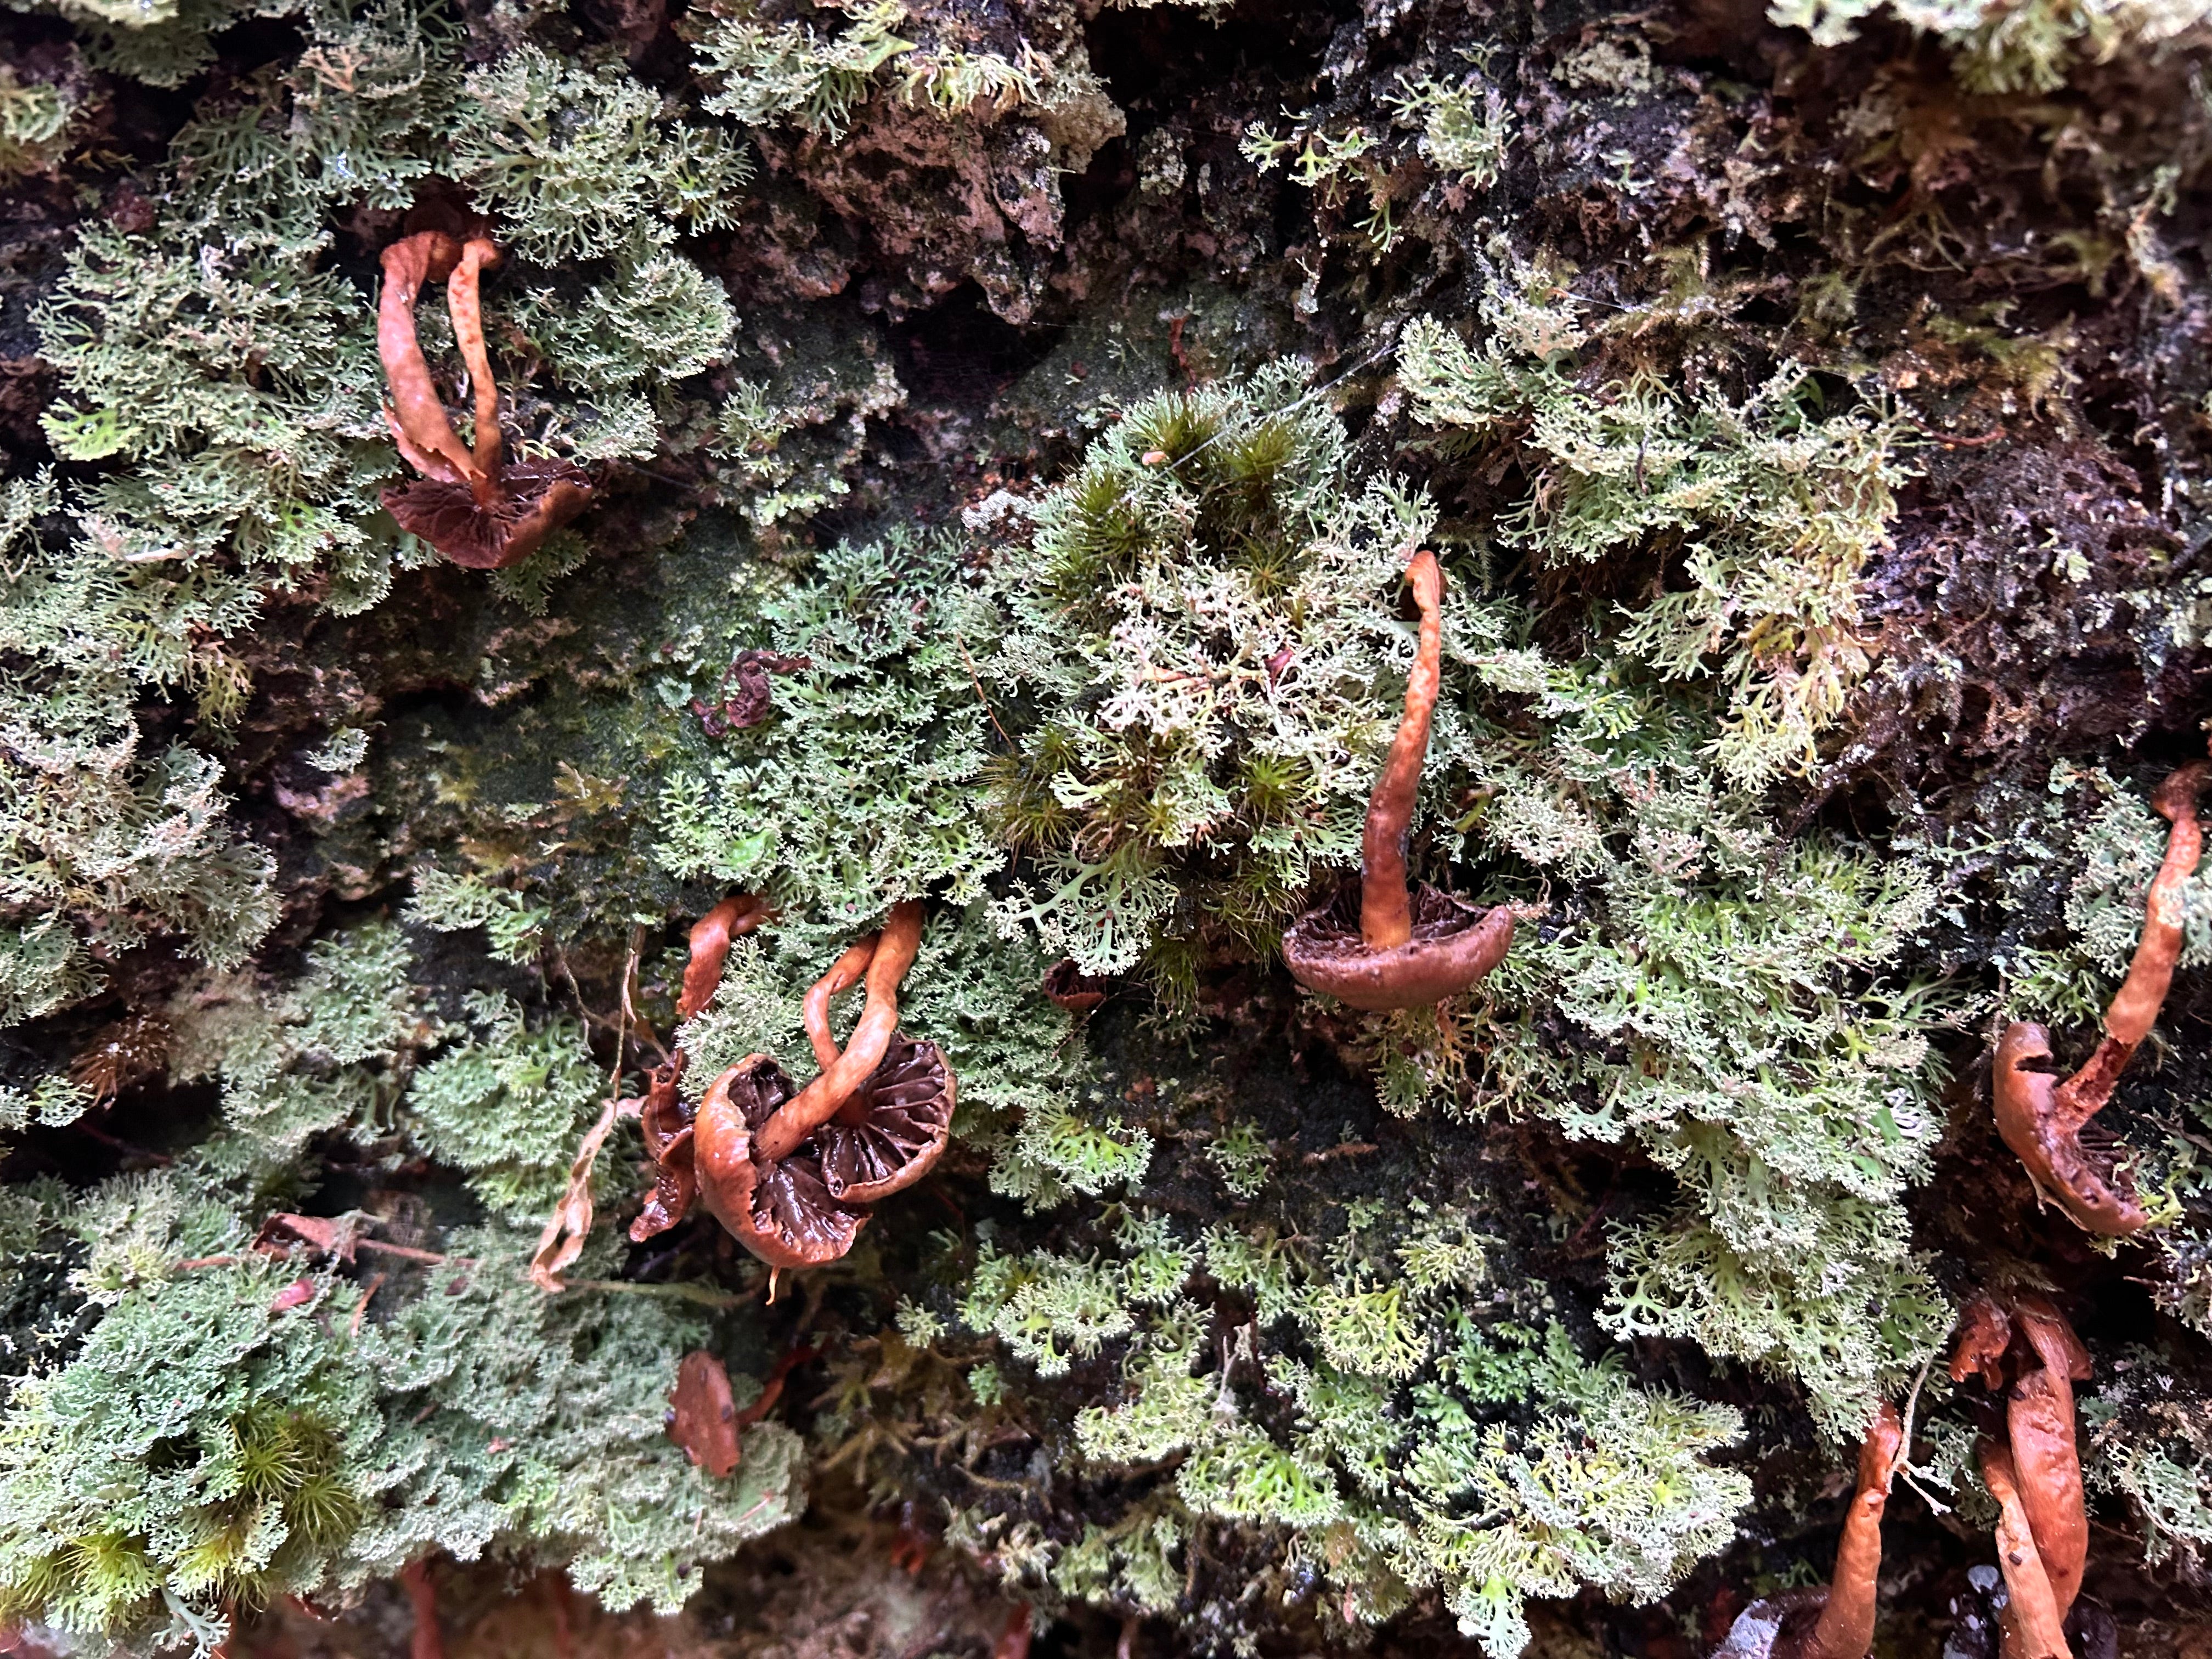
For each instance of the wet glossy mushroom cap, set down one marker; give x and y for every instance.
(781, 1209)
(1454, 944)
(2082, 1180)
(893, 1129)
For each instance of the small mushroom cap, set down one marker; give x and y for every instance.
(904, 1113)
(529, 502)
(780, 1209)
(1454, 944)
(1073, 989)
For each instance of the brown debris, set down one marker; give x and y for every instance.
(702, 1419)
(475, 508)
(667, 1123)
(752, 702)
(2042, 1118)
(414, 1577)
(1408, 949)
(562, 1239)
(1075, 991)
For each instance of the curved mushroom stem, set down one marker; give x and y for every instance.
(1386, 902)
(416, 413)
(465, 307)
(844, 974)
(817, 1103)
(734, 917)
(1845, 1627)
(2034, 1627)
(2135, 1007)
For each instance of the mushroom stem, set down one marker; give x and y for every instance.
(844, 974)
(1386, 902)
(2032, 1626)
(1845, 1627)
(817, 1103)
(2039, 1423)
(465, 307)
(735, 916)
(416, 413)
(2135, 1007)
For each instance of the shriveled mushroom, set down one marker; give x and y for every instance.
(734, 917)
(896, 1126)
(475, 507)
(2046, 1458)
(667, 1124)
(2041, 1118)
(779, 1208)
(1400, 947)
(1837, 1622)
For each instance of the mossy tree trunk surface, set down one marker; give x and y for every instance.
(1006, 427)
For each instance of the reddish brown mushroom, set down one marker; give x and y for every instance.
(779, 1208)
(787, 1171)
(1836, 1622)
(667, 1124)
(2031, 1348)
(2041, 1118)
(734, 917)
(1400, 947)
(474, 507)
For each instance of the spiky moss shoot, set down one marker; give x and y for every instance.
(1199, 656)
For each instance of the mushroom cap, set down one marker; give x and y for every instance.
(1072, 989)
(778, 1208)
(1454, 944)
(529, 500)
(903, 1117)
(667, 1124)
(2084, 1183)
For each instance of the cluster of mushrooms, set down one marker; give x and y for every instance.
(2020, 1347)
(475, 505)
(792, 1172)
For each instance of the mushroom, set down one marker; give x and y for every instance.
(789, 1171)
(1400, 948)
(2042, 1118)
(2038, 1464)
(667, 1124)
(734, 917)
(474, 507)
(1837, 1622)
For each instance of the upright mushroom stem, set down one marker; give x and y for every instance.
(2033, 1624)
(2039, 1423)
(465, 305)
(734, 917)
(1386, 903)
(818, 1103)
(1845, 1627)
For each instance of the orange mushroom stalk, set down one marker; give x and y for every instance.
(473, 506)
(1836, 1622)
(2042, 1118)
(1406, 948)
